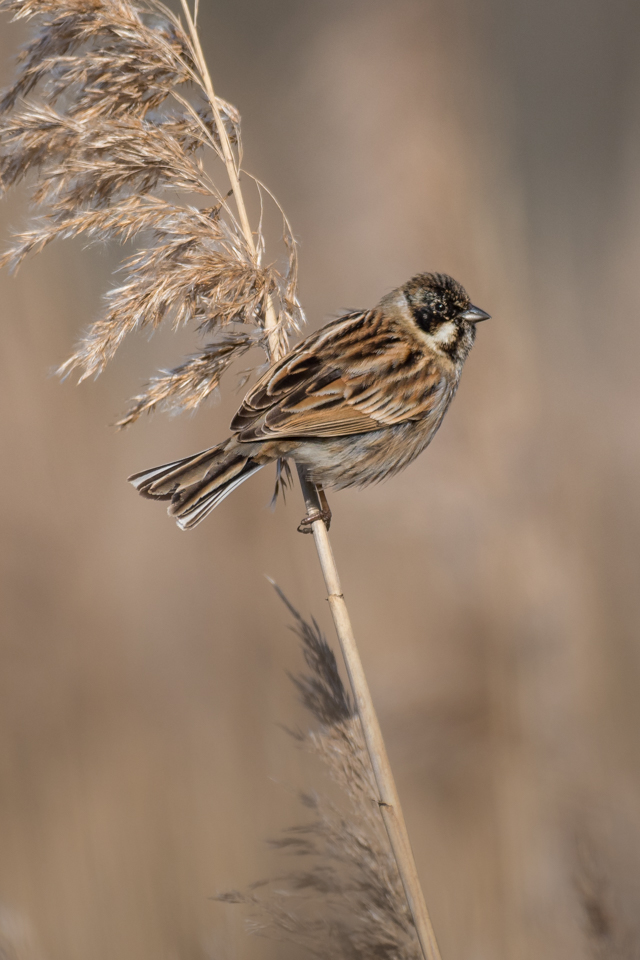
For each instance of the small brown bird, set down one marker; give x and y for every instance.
(353, 403)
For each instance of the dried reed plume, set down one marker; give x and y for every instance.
(346, 899)
(111, 113)
(608, 934)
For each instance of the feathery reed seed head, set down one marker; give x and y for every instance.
(110, 120)
(346, 899)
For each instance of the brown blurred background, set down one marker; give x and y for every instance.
(493, 586)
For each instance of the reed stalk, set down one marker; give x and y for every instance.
(388, 799)
(108, 161)
(271, 320)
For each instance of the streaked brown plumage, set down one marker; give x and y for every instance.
(354, 403)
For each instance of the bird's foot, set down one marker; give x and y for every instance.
(306, 524)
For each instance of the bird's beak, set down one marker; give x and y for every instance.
(474, 314)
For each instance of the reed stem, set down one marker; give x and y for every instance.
(271, 320)
(388, 800)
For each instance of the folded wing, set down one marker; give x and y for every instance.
(354, 376)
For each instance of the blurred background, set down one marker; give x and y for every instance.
(493, 586)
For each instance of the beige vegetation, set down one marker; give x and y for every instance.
(111, 119)
(143, 670)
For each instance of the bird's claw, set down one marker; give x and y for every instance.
(306, 524)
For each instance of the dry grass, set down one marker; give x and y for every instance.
(114, 118)
(110, 120)
(345, 899)
(608, 933)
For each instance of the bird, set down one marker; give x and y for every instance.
(352, 403)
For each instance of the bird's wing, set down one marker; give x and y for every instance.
(356, 375)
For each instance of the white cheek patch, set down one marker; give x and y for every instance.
(445, 334)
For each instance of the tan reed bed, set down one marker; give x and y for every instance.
(112, 113)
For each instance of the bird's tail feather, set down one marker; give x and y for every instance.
(198, 483)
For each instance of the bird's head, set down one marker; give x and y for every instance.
(441, 308)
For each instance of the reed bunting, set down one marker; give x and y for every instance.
(353, 403)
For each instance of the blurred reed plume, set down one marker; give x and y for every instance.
(111, 113)
(17, 938)
(346, 899)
